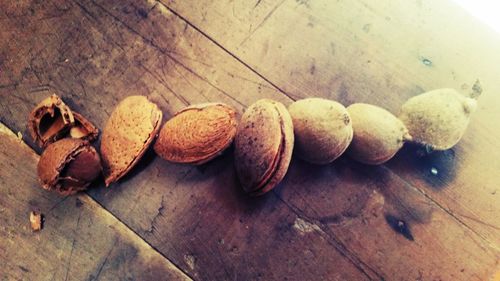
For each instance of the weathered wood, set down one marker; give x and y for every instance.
(113, 52)
(79, 241)
(339, 222)
(383, 53)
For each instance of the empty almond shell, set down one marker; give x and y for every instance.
(50, 120)
(129, 132)
(83, 128)
(438, 118)
(68, 166)
(263, 146)
(197, 134)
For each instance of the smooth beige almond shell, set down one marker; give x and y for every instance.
(322, 128)
(438, 118)
(378, 134)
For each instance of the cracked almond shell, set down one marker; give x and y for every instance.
(263, 146)
(50, 120)
(322, 128)
(438, 118)
(378, 134)
(83, 128)
(197, 134)
(129, 132)
(68, 166)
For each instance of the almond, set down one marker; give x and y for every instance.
(322, 128)
(378, 134)
(438, 118)
(197, 134)
(263, 146)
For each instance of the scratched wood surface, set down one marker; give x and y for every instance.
(380, 53)
(343, 221)
(66, 248)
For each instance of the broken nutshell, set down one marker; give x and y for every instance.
(83, 129)
(263, 146)
(197, 134)
(52, 120)
(129, 131)
(68, 166)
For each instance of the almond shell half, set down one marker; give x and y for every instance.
(68, 166)
(50, 120)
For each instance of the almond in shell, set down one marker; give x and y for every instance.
(197, 134)
(378, 134)
(438, 118)
(263, 146)
(323, 129)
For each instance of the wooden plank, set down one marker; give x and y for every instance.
(383, 53)
(79, 241)
(113, 52)
(338, 222)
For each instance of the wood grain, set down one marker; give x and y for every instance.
(155, 201)
(79, 241)
(338, 222)
(383, 53)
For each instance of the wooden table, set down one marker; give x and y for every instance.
(419, 217)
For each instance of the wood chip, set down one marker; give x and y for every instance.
(36, 221)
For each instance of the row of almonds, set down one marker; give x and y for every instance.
(264, 138)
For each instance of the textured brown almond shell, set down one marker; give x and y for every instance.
(129, 132)
(197, 134)
(49, 106)
(263, 146)
(55, 158)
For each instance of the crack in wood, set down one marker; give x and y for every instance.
(228, 52)
(333, 240)
(105, 260)
(159, 213)
(68, 265)
(262, 22)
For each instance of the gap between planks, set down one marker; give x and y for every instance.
(488, 243)
(84, 197)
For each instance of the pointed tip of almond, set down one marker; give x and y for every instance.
(470, 105)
